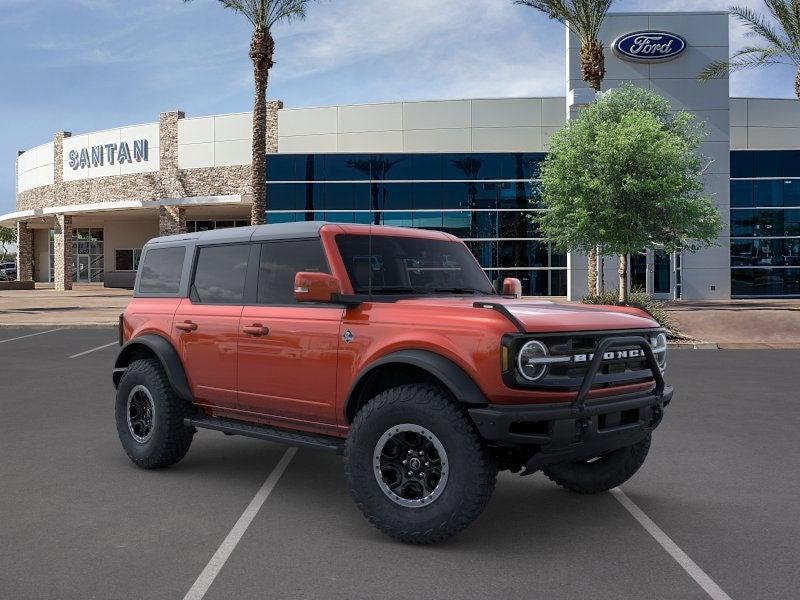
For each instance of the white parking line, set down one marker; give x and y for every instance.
(206, 578)
(94, 349)
(22, 337)
(688, 565)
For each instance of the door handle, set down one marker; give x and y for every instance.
(186, 326)
(255, 329)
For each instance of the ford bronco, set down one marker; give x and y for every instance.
(389, 346)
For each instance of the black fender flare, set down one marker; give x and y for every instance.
(165, 353)
(454, 378)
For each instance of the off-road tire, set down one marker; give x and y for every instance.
(170, 438)
(607, 472)
(472, 471)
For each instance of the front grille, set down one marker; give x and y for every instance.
(621, 370)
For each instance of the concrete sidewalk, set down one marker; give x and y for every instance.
(87, 305)
(732, 324)
(741, 323)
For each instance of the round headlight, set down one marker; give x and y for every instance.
(659, 344)
(529, 360)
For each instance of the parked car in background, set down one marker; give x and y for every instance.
(389, 346)
(8, 271)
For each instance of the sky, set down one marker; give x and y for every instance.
(86, 65)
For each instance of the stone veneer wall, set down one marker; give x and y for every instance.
(24, 248)
(62, 250)
(169, 182)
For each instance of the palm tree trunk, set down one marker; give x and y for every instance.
(797, 84)
(593, 64)
(623, 278)
(593, 70)
(262, 48)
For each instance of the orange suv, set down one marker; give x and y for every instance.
(389, 346)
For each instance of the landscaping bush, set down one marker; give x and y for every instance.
(639, 299)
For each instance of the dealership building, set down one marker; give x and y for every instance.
(86, 204)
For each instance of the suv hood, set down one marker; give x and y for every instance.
(539, 316)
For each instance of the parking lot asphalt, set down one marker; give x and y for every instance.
(79, 520)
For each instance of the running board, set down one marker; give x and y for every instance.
(325, 443)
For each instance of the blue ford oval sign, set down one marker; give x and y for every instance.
(649, 46)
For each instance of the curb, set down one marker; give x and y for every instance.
(694, 345)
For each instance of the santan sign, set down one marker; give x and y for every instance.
(97, 156)
(649, 46)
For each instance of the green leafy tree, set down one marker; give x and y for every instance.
(778, 40)
(263, 15)
(8, 236)
(584, 19)
(626, 175)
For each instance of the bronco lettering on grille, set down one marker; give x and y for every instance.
(612, 355)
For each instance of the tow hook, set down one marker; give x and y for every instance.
(581, 427)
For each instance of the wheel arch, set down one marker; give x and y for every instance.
(151, 345)
(410, 366)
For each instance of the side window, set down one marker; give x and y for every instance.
(161, 270)
(220, 274)
(280, 262)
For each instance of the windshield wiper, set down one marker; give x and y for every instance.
(390, 289)
(462, 290)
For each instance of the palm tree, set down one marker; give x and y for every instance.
(584, 19)
(263, 15)
(779, 42)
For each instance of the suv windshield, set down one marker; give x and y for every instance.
(407, 265)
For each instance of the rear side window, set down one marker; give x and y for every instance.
(220, 274)
(161, 270)
(280, 262)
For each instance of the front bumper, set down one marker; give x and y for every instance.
(566, 432)
(554, 433)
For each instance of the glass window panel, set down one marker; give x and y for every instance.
(765, 282)
(426, 166)
(395, 196)
(790, 163)
(513, 224)
(428, 220)
(343, 167)
(281, 167)
(558, 282)
(396, 219)
(224, 224)
(742, 223)
(557, 259)
(741, 194)
(767, 163)
(484, 252)
(791, 192)
(454, 195)
(528, 164)
(161, 271)
(791, 222)
(220, 274)
(276, 217)
(280, 262)
(427, 195)
(123, 260)
(742, 163)
(458, 224)
(339, 196)
(768, 193)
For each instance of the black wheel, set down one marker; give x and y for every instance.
(600, 473)
(150, 416)
(415, 465)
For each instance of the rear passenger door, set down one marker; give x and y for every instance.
(206, 324)
(288, 351)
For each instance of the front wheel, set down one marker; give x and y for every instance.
(415, 466)
(600, 473)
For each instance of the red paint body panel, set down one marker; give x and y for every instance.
(292, 368)
(209, 354)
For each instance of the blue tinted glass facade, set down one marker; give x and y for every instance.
(486, 199)
(765, 223)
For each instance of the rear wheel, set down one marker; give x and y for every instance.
(600, 473)
(150, 416)
(415, 465)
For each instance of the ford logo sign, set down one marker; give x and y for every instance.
(649, 46)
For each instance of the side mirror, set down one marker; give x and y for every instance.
(512, 287)
(315, 287)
